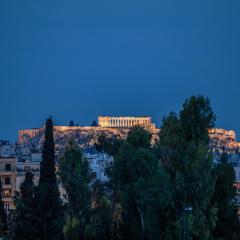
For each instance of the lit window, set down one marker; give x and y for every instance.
(7, 193)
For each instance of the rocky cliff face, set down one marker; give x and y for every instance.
(220, 139)
(85, 137)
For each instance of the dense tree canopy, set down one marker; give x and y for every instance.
(183, 150)
(163, 191)
(75, 176)
(142, 185)
(25, 217)
(227, 225)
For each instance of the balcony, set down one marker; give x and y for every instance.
(21, 171)
(7, 198)
(4, 170)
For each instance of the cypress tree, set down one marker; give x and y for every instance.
(3, 216)
(49, 209)
(25, 221)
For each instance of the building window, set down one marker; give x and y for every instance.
(7, 193)
(27, 169)
(8, 167)
(94, 174)
(7, 180)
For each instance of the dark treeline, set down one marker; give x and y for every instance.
(166, 190)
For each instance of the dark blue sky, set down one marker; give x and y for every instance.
(80, 59)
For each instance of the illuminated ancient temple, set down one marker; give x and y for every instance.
(106, 121)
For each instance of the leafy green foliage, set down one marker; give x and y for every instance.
(108, 145)
(101, 219)
(196, 118)
(71, 229)
(183, 151)
(25, 215)
(142, 185)
(167, 191)
(227, 225)
(74, 173)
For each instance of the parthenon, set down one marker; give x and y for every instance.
(107, 121)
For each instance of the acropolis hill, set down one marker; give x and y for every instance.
(86, 136)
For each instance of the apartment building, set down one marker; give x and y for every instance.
(8, 178)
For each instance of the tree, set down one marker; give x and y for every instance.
(196, 118)
(49, 208)
(71, 123)
(142, 185)
(183, 150)
(25, 220)
(227, 225)
(101, 217)
(169, 151)
(108, 145)
(74, 173)
(3, 216)
(94, 124)
(71, 229)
